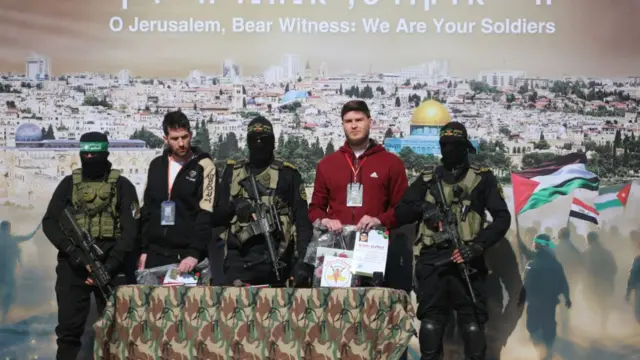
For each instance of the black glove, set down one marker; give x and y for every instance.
(567, 303)
(243, 208)
(302, 274)
(469, 252)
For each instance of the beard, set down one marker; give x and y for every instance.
(179, 152)
(359, 141)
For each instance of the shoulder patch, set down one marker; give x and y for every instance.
(288, 164)
(480, 169)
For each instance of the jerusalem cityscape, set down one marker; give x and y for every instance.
(514, 120)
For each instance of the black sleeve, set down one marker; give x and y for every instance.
(497, 207)
(409, 210)
(203, 232)
(223, 211)
(50, 226)
(145, 213)
(129, 210)
(304, 228)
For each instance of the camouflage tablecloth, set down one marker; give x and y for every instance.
(154, 322)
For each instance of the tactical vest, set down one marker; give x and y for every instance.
(467, 229)
(269, 179)
(95, 202)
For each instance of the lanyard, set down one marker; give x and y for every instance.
(169, 184)
(355, 170)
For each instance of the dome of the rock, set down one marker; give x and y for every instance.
(431, 113)
(28, 132)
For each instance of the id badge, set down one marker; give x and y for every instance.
(168, 213)
(354, 195)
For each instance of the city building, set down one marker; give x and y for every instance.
(501, 78)
(33, 167)
(38, 67)
(273, 74)
(230, 69)
(426, 121)
(124, 77)
(291, 66)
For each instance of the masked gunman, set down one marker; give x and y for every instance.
(106, 206)
(282, 205)
(446, 267)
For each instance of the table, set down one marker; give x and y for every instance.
(156, 322)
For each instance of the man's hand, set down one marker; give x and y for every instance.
(332, 225)
(367, 222)
(142, 261)
(89, 280)
(466, 253)
(187, 264)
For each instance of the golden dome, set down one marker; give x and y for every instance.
(430, 113)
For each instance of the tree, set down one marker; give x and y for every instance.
(541, 136)
(151, 140)
(618, 139)
(286, 88)
(244, 103)
(329, 149)
(388, 133)
(340, 89)
(536, 158)
(296, 120)
(299, 79)
(397, 101)
(49, 135)
(244, 90)
(281, 141)
(504, 130)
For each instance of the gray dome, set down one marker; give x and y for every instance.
(29, 132)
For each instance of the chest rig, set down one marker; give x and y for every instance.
(469, 222)
(267, 181)
(95, 202)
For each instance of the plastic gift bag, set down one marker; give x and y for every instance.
(156, 276)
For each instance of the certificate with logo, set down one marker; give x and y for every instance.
(336, 272)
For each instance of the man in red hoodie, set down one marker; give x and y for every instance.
(361, 183)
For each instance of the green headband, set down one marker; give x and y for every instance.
(94, 146)
(544, 242)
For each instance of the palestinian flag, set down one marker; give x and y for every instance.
(580, 210)
(613, 196)
(538, 186)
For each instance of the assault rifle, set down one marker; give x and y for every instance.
(448, 228)
(90, 253)
(266, 219)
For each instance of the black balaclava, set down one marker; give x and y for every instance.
(97, 144)
(455, 147)
(261, 141)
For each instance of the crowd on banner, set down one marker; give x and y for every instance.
(257, 211)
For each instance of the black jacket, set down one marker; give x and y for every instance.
(193, 194)
(127, 205)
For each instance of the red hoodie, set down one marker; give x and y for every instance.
(383, 178)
